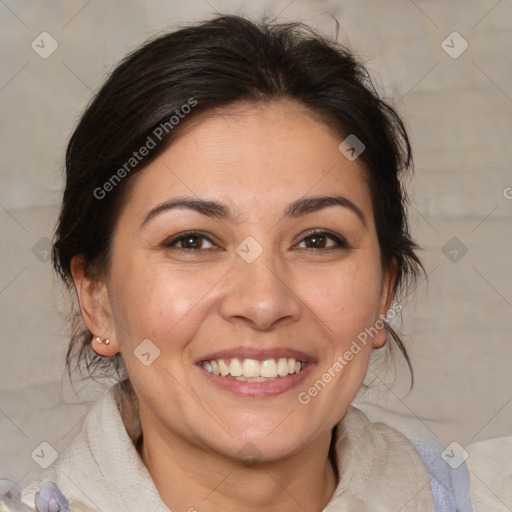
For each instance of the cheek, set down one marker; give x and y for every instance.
(153, 303)
(345, 299)
(156, 302)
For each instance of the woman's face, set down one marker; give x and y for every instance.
(262, 282)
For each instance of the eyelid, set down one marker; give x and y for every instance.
(176, 238)
(340, 240)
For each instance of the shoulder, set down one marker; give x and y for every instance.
(379, 469)
(76, 469)
(102, 470)
(449, 483)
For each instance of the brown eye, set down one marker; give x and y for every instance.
(324, 240)
(316, 241)
(189, 241)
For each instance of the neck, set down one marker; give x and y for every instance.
(189, 478)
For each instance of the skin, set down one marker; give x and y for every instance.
(309, 296)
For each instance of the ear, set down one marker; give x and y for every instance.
(95, 307)
(386, 296)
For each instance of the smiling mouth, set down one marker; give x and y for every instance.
(253, 370)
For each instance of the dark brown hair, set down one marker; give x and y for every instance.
(209, 66)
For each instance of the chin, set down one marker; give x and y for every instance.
(254, 445)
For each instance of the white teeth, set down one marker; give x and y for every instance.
(268, 368)
(235, 368)
(251, 379)
(215, 367)
(251, 368)
(223, 367)
(254, 370)
(282, 367)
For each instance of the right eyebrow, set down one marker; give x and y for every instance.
(208, 208)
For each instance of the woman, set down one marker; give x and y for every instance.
(234, 225)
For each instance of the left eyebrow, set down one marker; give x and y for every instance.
(295, 209)
(307, 205)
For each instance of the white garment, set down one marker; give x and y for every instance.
(101, 471)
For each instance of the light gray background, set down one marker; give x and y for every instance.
(459, 114)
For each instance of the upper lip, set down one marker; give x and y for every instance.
(260, 354)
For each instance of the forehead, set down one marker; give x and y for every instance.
(255, 158)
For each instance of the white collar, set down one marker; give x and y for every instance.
(379, 468)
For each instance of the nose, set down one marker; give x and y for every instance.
(260, 294)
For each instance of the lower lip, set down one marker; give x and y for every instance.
(265, 389)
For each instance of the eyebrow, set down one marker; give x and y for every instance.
(295, 209)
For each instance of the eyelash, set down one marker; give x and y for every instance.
(340, 241)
